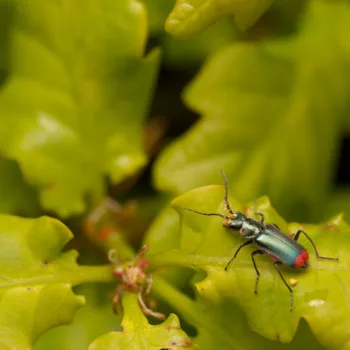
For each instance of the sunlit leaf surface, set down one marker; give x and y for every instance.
(73, 106)
(320, 293)
(138, 334)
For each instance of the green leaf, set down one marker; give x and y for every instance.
(78, 115)
(17, 197)
(223, 325)
(322, 290)
(269, 110)
(192, 51)
(163, 236)
(193, 16)
(36, 277)
(231, 318)
(138, 334)
(90, 322)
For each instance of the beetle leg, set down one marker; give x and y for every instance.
(237, 251)
(313, 245)
(256, 269)
(276, 263)
(257, 213)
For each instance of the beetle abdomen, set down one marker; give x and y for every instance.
(281, 247)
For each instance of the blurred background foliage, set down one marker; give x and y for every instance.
(268, 104)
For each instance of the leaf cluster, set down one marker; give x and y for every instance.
(87, 138)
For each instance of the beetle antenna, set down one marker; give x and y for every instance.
(226, 193)
(208, 214)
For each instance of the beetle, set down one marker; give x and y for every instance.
(269, 239)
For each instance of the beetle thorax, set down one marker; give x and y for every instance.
(250, 228)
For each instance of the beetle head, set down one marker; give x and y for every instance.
(235, 221)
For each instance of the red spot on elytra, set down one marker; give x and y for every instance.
(305, 255)
(300, 260)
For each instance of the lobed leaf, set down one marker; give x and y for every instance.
(193, 16)
(223, 325)
(138, 334)
(162, 237)
(192, 51)
(90, 322)
(231, 319)
(77, 115)
(320, 295)
(269, 110)
(36, 279)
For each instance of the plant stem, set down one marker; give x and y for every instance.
(117, 241)
(188, 309)
(95, 274)
(132, 313)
